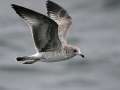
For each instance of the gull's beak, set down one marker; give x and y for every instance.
(83, 56)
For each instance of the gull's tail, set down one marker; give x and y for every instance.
(27, 60)
(24, 58)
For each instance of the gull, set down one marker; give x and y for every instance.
(49, 34)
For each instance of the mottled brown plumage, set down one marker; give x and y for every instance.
(49, 33)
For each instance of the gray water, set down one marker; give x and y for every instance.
(95, 30)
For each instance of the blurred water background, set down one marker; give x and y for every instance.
(96, 25)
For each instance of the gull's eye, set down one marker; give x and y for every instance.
(75, 50)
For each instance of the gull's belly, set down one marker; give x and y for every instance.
(55, 56)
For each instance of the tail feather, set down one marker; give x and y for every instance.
(21, 58)
(27, 60)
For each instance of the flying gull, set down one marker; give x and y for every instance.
(49, 34)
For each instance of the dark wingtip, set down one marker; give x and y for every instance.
(19, 9)
(14, 6)
(48, 1)
(52, 6)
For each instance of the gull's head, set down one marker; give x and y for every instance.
(77, 51)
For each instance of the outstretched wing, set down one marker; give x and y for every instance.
(59, 15)
(44, 29)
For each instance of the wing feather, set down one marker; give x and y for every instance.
(44, 29)
(59, 15)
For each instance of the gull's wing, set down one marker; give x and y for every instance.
(44, 29)
(59, 15)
